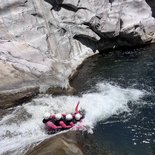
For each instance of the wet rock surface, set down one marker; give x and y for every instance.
(61, 91)
(69, 143)
(64, 144)
(15, 97)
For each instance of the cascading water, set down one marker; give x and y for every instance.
(24, 126)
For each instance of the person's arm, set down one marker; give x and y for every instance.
(64, 126)
(72, 124)
(77, 108)
(52, 125)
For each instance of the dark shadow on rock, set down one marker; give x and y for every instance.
(71, 7)
(87, 41)
(56, 4)
(94, 27)
(111, 1)
(125, 42)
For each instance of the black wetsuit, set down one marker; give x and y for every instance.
(49, 119)
(54, 121)
(45, 120)
(68, 122)
(58, 121)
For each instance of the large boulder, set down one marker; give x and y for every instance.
(69, 143)
(65, 144)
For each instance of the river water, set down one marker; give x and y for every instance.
(117, 93)
(126, 80)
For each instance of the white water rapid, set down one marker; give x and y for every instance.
(23, 126)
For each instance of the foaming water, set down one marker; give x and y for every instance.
(109, 100)
(24, 126)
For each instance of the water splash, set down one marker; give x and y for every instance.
(24, 126)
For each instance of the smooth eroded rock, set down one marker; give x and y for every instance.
(15, 97)
(64, 144)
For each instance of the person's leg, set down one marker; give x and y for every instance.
(64, 126)
(52, 125)
(72, 124)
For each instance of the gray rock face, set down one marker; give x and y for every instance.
(43, 41)
(64, 144)
(16, 96)
(69, 143)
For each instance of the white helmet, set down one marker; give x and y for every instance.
(46, 115)
(58, 116)
(69, 117)
(78, 116)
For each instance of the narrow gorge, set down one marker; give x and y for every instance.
(43, 46)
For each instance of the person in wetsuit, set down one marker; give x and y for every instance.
(57, 121)
(50, 122)
(68, 122)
